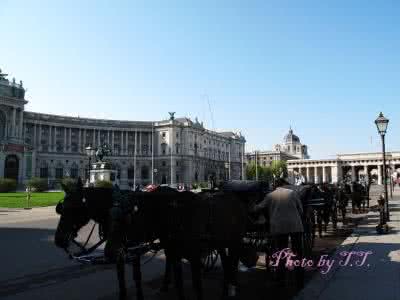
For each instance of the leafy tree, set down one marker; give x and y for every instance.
(264, 172)
(279, 169)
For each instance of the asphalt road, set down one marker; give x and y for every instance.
(32, 267)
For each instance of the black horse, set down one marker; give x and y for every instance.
(187, 224)
(184, 222)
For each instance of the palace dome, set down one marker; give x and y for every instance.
(291, 137)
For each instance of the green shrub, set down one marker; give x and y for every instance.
(103, 184)
(7, 185)
(203, 185)
(38, 184)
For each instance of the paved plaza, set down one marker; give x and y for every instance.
(33, 268)
(377, 278)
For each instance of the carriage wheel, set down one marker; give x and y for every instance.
(209, 260)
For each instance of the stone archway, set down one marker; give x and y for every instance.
(11, 167)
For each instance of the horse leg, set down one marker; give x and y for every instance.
(319, 221)
(167, 274)
(177, 267)
(195, 264)
(225, 267)
(334, 217)
(137, 277)
(233, 269)
(121, 274)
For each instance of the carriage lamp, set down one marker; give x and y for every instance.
(381, 124)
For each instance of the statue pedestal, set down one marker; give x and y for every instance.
(103, 171)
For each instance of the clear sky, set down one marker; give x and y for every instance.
(327, 68)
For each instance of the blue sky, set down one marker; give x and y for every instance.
(327, 68)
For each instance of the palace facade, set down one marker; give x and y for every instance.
(174, 150)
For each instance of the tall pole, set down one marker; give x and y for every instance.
(256, 166)
(385, 178)
(171, 149)
(134, 162)
(243, 161)
(229, 162)
(152, 153)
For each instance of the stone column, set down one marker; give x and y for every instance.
(108, 137)
(112, 141)
(308, 178)
(84, 138)
(126, 142)
(122, 152)
(380, 181)
(324, 180)
(366, 172)
(13, 127)
(65, 139)
(149, 145)
(335, 175)
(21, 124)
(94, 138)
(353, 174)
(40, 137)
(140, 143)
(70, 140)
(79, 140)
(316, 179)
(34, 136)
(50, 139)
(98, 138)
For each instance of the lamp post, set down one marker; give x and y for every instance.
(382, 124)
(90, 151)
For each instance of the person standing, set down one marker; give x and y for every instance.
(283, 211)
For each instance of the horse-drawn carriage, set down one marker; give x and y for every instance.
(199, 227)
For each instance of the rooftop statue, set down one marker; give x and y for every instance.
(3, 75)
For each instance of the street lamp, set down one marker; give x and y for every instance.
(382, 124)
(90, 151)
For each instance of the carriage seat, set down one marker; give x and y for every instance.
(245, 186)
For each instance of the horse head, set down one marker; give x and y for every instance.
(73, 213)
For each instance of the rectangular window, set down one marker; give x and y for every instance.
(59, 173)
(74, 173)
(44, 172)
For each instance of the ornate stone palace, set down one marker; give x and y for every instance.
(356, 167)
(175, 150)
(291, 148)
